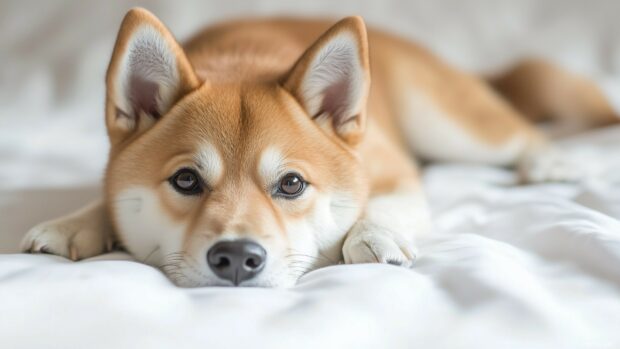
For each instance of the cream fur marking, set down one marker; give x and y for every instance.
(434, 135)
(319, 236)
(145, 225)
(211, 162)
(333, 217)
(271, 165)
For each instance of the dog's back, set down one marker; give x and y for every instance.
(409, 82)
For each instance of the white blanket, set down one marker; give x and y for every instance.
(508, 266)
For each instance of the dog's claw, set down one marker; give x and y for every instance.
(109, 244)
(73, 253)
(36, 247)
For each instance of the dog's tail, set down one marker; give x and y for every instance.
(545, 92)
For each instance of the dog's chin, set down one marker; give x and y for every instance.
(187, 283)
(193, 281)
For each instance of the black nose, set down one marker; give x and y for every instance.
(236, 260)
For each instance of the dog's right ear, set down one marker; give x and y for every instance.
(147, 75)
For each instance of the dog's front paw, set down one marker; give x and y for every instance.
(559, 165)
(78, 236)
(369, 243)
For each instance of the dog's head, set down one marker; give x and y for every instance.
(237, 183)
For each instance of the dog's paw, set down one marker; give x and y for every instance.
(559, 165)
(76, 237)
(368, 243)
(68, 238)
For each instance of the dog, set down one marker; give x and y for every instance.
(259, 151)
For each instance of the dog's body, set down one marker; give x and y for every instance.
(210, 141)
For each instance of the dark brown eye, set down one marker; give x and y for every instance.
(291, 185)
(186, 182)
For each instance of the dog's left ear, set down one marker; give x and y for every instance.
(148, 73)
(332, 78)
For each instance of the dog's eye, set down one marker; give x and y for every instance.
(291, 185)
(186, 182)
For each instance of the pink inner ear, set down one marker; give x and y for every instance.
(143, 95)
(336, 101)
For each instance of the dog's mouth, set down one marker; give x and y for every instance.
(234, 263)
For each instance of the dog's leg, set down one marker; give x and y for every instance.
(543, 91)
(387, 231)
(396, 212)
(81, 234)
(456, 117)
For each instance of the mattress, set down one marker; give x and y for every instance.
(507, 266)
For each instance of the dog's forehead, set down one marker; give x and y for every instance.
(240, 123)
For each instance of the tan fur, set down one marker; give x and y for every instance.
(544, 92)
(268, 49)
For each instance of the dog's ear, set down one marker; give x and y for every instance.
(147, 75)
(332, 78)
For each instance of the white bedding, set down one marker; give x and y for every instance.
(508, 267)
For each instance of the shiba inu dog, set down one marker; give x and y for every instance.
(259, 150)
